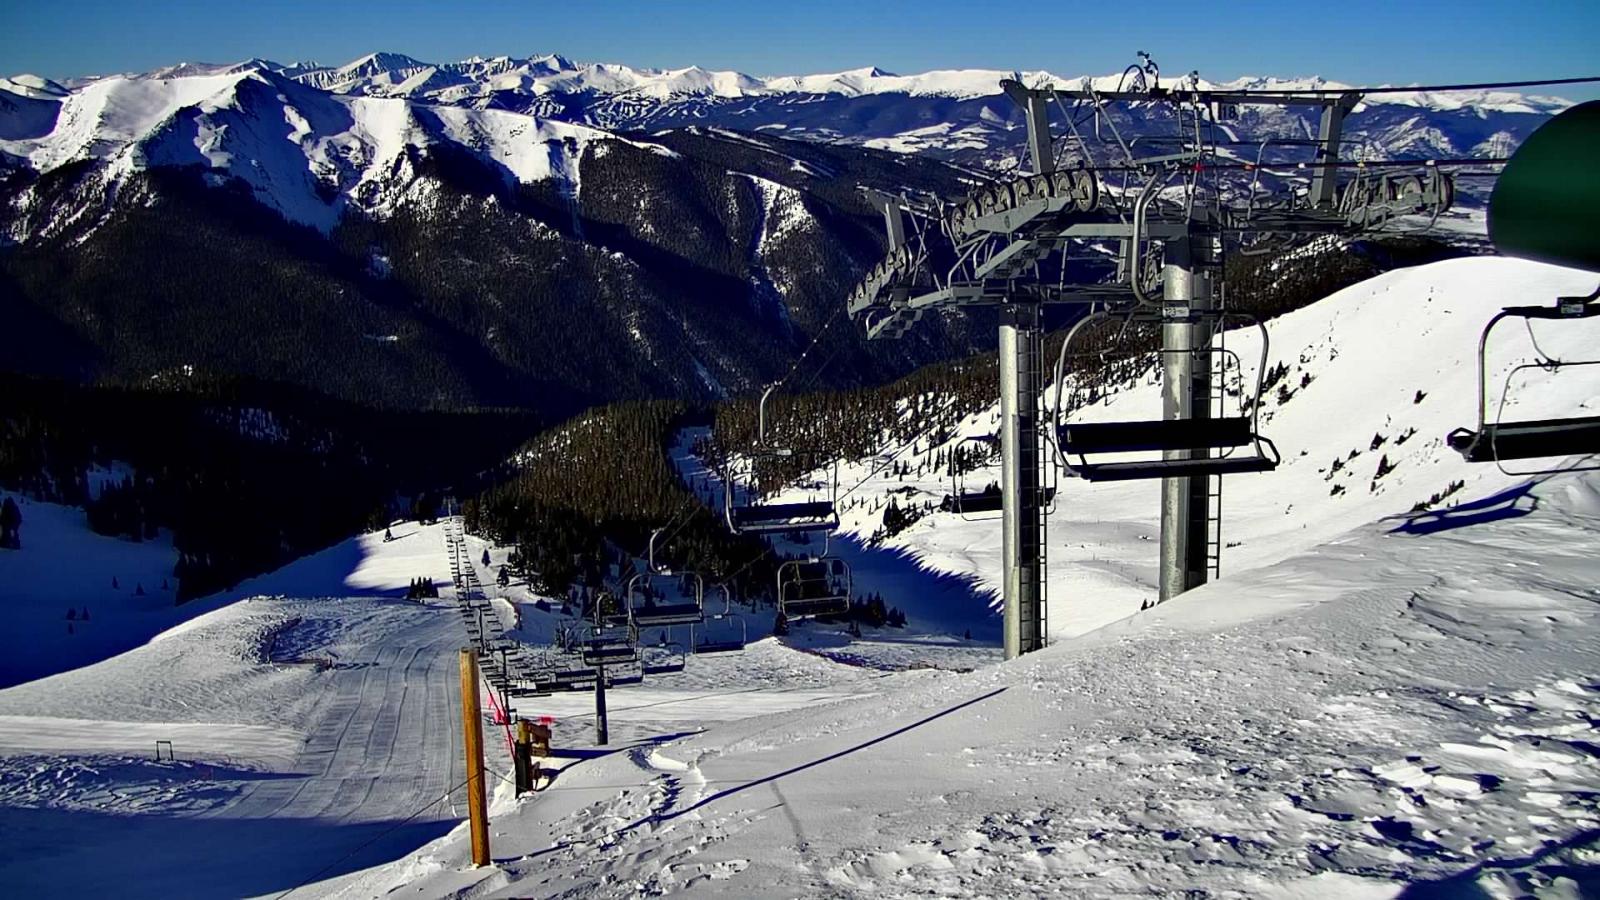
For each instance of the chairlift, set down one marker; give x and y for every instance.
(753, 517)
(628, 674)
(721, 632)
(608, 644)
(1501, 440)
(660, 598)
(665, 657)
(1226, 445)
(812, 587)
(990, 500)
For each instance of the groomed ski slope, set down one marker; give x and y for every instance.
(301, 727)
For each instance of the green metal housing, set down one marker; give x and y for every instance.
(1546, 204)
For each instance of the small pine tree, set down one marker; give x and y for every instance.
(114, 585)
(486, 557)
(780, 625)
(84, 615)
(387, 535)
(138, 589)
(71, 614)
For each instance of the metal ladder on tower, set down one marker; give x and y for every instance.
(1216, 399)
(1034, 360)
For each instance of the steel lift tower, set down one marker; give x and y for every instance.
(1165, 206)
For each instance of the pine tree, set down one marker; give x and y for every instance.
(486, 556)
(780, 625)
(10, 525)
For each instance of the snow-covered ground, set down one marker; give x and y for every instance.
(1371, 703)
(126, 588)
(1387, 712)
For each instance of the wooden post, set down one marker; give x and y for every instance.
(472, 731)
(523, 758)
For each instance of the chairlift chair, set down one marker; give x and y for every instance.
(628, 675)
(1212, 446)
(1499, 440)
(985, 503)
(644, 611)
(665, 657)
(721, 632)
(812, 587)
(608, 644)
(754, 517)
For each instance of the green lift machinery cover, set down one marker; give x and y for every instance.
(1546, 204)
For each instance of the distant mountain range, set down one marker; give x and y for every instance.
(958, 114)
(521, 232)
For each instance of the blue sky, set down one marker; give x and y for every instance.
(1357, 41)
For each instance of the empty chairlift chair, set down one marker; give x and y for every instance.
(1499, 440)
(1545, 207)
(751, 516)
(665, 656)
(662, 598)
(808, 588)
(605, 645)
(1223, 445)
(720, 632)
(962, 500)
(988, 502)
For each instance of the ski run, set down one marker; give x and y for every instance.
(1375, 700)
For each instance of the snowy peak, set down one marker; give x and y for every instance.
(33, 87)
(307, 153)
(378, 63)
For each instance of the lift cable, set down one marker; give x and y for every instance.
(1400, 89)
(838, 308)
(695, 507)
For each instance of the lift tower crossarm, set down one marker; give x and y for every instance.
(1334, 97)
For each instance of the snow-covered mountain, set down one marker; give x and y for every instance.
(395, 74)
(625, 175)
(307, 153)
(956, 114)
(481, 239)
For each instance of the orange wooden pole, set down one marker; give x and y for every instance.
(472, 731)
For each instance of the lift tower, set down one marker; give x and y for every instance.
(1020, 243)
